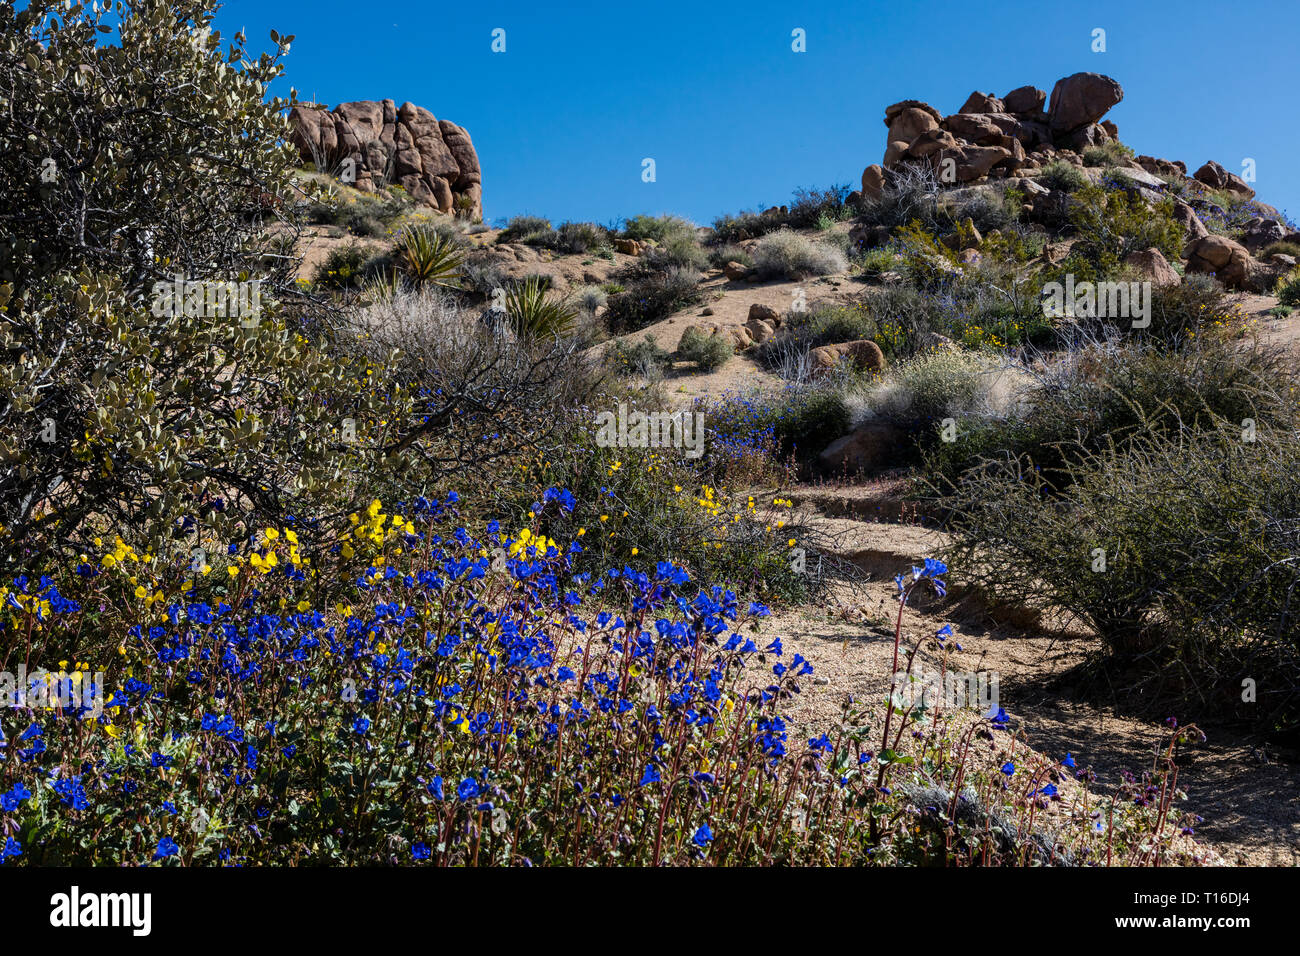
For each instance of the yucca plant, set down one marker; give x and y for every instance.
(427, 256)
(531, 314)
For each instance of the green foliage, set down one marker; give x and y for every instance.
(343, 267)
(532, 314)
(1058, 174)
(659, 229)
(706, 351)
(1111, 224)
(1178, 546)
(1110, 153)
(150, 417)
(524, 228)
(1288, 289)
(643, 358)
(428, 256)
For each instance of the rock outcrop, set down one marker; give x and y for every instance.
(433, 160)
(992, 137)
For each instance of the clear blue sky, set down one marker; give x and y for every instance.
(735, 119)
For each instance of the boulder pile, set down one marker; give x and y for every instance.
(432, 159)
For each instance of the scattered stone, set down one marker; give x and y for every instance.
(735, 271)
(1216, 177)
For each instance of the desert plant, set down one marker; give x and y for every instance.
(652, 298)
(533, 314)
(1063, 176)
(788, 254)
(427, 256)
(706, 351)
(521, 228)
(1288, 289)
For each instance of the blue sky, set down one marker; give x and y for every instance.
(735, 119)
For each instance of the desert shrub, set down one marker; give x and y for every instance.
(1281, 249)
(589, 298)
(1179, 548)
(1288, 289)
(481, 273)
(1110, 153)
(1104, 394)
(652, 298)
(343, 267)
(645, 358)
(154, 419)
(910, 193)
(659, 229)
(926, 261)
(787, 254)
(677, 251)
(1066, 177)
(533, 314)
(427, 256)
(719, 256)
(706, 351)
(578, 237)
(823, 324)
(921, 391)
(1113, 223)
(810, 208)
(523, 228)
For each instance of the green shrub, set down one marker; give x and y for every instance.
(644, 358)
(1058, 174)
(523, 228)
(676, 251)
(1179, 548)
(659, 229)
(427, 256)
(1110, 153)
(1288, 289)
(1280, 249)
(1113, 223)
(706, 351)
(578, 237)
(343, 267)
(532, 314)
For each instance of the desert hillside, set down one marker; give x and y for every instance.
(945, 518)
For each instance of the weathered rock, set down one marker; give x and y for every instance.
(982, 103)
(1216, 177)
(1228, 261)
(760, 331)
(1025, 99)
(1262, 232)
(895, 108)
(765, 313)
(1193, 228)
(911, 123)
(894, 151)
(433, 160)
(629, 247)
(1081, 100)
(873, 181)
(864, 354)
(1162, 167)
(735, 271)
(1154, 267)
